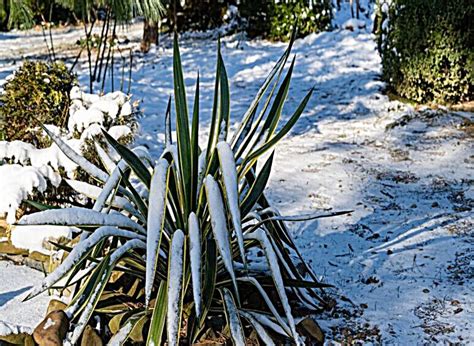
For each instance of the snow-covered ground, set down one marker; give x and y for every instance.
(403, 261)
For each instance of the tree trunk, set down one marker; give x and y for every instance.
(6, 9)
(150, 36)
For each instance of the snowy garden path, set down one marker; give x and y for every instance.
(403, 260)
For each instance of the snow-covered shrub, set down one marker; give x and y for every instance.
(89, 113)
(189, 246)
(275, 19)
(28, 172)
(426, 48)
(37, 92)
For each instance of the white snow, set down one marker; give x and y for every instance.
(16, 315)
(80, 216)
(19, 182)
(229, 175)
(195, 259)
(9, 329)
(49, 323)
(33, 238)
(156, 219)
(219, 224)
(119, 131)
(175, 278)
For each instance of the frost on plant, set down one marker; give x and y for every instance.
(168, 248)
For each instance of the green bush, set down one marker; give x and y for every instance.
(38, 91)
(310, 19)
(426, 48)
(275, 21)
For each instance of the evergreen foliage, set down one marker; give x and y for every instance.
(427, 49)
(38, 92)
(275, 20)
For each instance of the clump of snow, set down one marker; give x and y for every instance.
(83, 118)
(88, 109)
(9, 329)
(34, 238)
(18, 182)
(120, 131)
(49, 323)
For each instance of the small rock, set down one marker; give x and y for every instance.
(425, 290)
(6, 247)
(52, 330)
(313, 329)
(23, 339)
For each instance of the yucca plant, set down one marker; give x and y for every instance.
(188, 248)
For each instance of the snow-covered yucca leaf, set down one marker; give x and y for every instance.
(80, 217)
(155, 224)
(108, 163)
(132, 265)
(229, 175)
(233, 319)
(91, 300)
(175, 279)
(262, 333)
(219, 225)
(82, 162)
(195, 260)
(131, 158)
(78, 253)
(93, 192)
(272, 259)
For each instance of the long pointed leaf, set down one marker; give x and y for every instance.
(219, 226)
(182, 126)
(195, 259)
(156, 219)
(157, 324)
(229, 175)
(175, 280)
